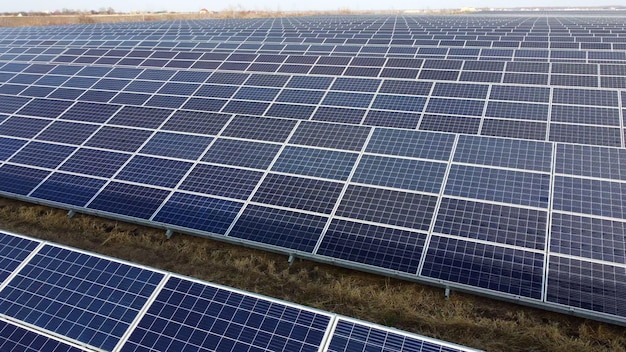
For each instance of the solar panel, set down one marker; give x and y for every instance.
(376, 142)
(59, 299)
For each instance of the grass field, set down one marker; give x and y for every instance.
(465, 319)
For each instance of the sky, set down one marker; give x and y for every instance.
(283, 5)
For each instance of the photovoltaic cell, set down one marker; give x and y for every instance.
(587, 196)
(588, 237)
(117, 138)
(518, 154)
(259, 128)
(351, 336)
(417, 144)
(51, 292)
(42, 155)
(408, 174)
(15, 338)
(384, 206)
(68, 189)
(13, 250)
(315, 162)
(587, 285)
(190, 211)
(8, 146)
(23, 127)
(221, 181)
(298, 193)
(496, 268)
(250, 154)
(19, 179)
(327, 135)
(154, 171)
(95, 162)
(494, 223)
(129, 200)
(515, 187)
(283, 228)
(591, 161)
(45, 108)
(373, 245)
(90, 112)
(200, 317)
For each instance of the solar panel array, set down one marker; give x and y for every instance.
(55, 298)
(482, 153)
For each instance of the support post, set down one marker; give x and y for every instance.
(71, 213)
(169, 233)
(292, 258)
(447, 292)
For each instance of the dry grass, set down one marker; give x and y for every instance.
(464, 318)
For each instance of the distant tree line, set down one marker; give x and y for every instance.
(63, 12)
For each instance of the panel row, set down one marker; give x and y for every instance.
(65, 300)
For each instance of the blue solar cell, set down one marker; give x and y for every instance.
(196, 122)
(300, 96)
(605, 98)
(135, 116)
(45, 108)
(392, 119)
(283, 228)
(351, 336)
(154, 171)
(67, 132)
(520, 93)
(587, 237)
(216, 91)
(591, 161)
(188, 210)
(587, 196)
(66, 93)
(99, 96)
(460, 90)
(221, 181)
(298, 193)
(37, 91)
(13, 250)
(356, 100)
(116, 138)
(143, 86)
(494, 223)
(585, 115)
(406, 87)
(451, 124)
(176, 145)
(525, 155)
(356, 84)
(259, 128)
(328, 135)
(11, 104)
(404, 209)
(417, 144)
(310, 82)
(15, 338)
(90, 112)
(51, 292)
(241, 153)
(245, 107)
(507, 270)
(408, 174)
(20, 180)
(455, 106)
(506, 186)
(594, 286)
(373, 245)
(522, 111)
(584, 134)
(227, 78)
(514, 129)
(257, 93)
(68, 189)
(130, 98)
(168, 101)
(8, 146)
(129, 200)
(200, 317)
(315, 162)
(95, 162)
(42, 154)
(400, 103)
(341, 115)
